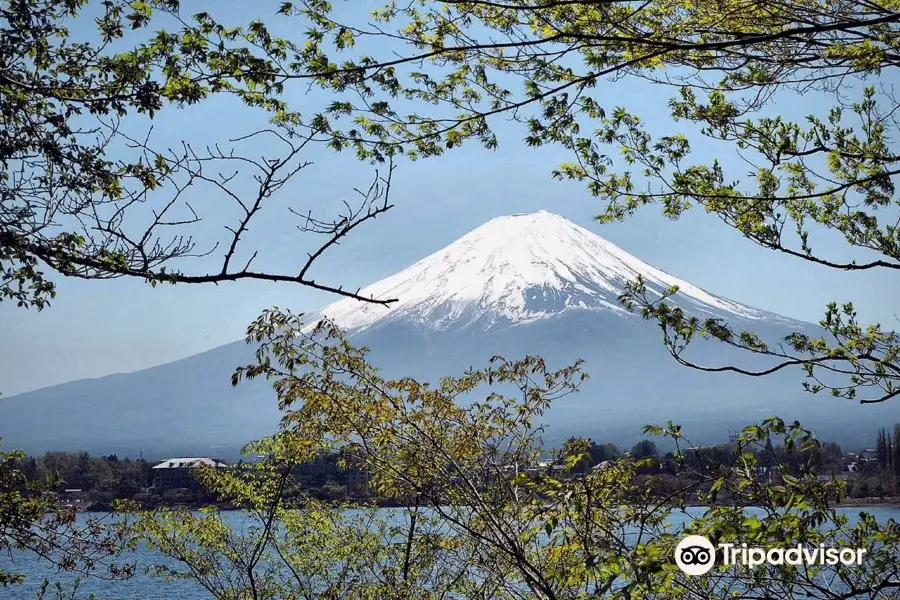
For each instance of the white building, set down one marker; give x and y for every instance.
(175, 473)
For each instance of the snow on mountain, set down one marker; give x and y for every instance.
(524, 284)
(517, 269)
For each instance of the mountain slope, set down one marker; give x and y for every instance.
(524, 284)
(515, 270)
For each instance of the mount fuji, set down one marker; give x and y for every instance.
(516, 270)
(521, 284)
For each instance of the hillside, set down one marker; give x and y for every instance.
(522, 284)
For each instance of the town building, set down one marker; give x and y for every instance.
(176, 473)
(74, 498)
(869, 454)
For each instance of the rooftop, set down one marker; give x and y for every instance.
(184, 463)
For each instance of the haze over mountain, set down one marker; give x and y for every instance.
(522, 284)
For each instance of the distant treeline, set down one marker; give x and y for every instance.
(102, 479)
(106, 478)
(887, 448)
(828, 457)
(866, 476)
(879, 476)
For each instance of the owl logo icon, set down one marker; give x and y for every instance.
(695, 555)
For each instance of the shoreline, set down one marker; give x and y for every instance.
(870, 502)
(852, 503)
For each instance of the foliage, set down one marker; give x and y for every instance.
(590, 453)
(31, 519)
(85, 191)
(895, 450)
(499, 530)
(644, 449)
(883, 447)
(888, 449)
(879, 476)
(481, 522)
(425, 77)
(294, 546)
(107, 474)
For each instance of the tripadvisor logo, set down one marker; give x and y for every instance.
(696, 555)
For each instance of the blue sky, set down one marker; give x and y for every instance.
(100, 327)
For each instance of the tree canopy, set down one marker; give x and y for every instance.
(479, 522)
(86, 197)
(426, 77)
(429, 76)
(85, 191)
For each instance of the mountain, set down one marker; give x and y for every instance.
(522, 284)
(515, 270)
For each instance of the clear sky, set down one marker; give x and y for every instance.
(100, 327)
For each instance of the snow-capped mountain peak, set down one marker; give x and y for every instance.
(517, 269)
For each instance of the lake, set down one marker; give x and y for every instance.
(146, 587)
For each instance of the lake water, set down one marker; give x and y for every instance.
(146, 587)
